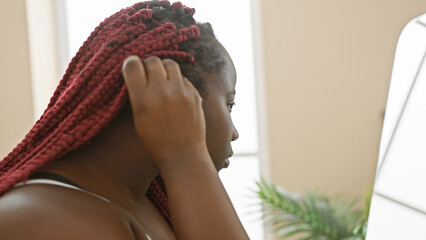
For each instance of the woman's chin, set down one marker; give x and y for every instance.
(223, 165)
(226, 163)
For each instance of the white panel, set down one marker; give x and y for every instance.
(44, 69)
(391, 221)
(239, 180)
(409, 53)
(404, 171)
(422, 19)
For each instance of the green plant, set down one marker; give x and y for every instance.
(312, 216)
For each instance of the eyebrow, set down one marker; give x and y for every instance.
(233, 92)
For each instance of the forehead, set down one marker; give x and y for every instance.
(225, 80)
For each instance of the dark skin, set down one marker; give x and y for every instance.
(117, 166)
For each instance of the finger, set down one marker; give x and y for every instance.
(185, 81)
(134, 77)
(155, 71)
(189, 84)
(191, 87)
(173, 71)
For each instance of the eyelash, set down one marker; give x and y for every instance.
(231, 105)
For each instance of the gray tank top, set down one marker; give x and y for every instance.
(66, 185)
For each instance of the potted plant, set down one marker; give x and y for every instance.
(312, 216)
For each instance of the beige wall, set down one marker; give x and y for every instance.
(15, 82)
(328, 65)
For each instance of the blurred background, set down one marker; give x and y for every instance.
(313, 78)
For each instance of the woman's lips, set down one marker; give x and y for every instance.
(226, 162)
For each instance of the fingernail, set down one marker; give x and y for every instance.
(129, 60)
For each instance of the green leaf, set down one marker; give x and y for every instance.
(316, 215)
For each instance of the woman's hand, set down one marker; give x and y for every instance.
(167, 111)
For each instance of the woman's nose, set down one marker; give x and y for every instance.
(235, 134)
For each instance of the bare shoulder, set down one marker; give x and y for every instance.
(51, 212)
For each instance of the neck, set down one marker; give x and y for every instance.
(115, 167)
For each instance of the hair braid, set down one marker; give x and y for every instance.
(38, 132)
(92, 92)
(59, 108)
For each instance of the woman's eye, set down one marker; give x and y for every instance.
(231, 105)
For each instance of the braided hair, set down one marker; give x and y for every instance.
(92, 91)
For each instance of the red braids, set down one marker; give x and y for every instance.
(92, 91)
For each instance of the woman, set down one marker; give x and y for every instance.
(90, 167)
